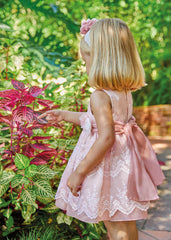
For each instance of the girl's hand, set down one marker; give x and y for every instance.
(74, 182)
(52, 116)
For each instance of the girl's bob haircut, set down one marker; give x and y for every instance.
(115, 62)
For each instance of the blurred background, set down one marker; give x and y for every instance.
(42, 37)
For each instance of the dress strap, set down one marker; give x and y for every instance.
(108, 93)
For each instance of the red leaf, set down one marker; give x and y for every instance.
(42, 120)
(41, 146)
(5, 119)
(41, 138)
(18, 85)
(28, 150)
(28, 132)
(11, 166)
(46, 155)
(27, 99)
(11, 94)
(46, 103)
(162, 163)
(38, 126)
(35, 91)
(40, 205)
(55, 106)
(4, 128)
(45, 87)
(8, 152)
(43, 123)
(6, 157)
(22, 114)
(38, 161)
(8, 104)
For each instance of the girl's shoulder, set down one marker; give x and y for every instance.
(99, 98)
(114, 94)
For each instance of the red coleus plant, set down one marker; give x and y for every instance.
(23, 107)
(26, 165)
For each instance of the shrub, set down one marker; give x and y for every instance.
(26, 165)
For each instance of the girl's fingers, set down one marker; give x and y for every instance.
(75, 193)
(42, 115)
(79, 188)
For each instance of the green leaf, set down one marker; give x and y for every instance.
(9, 222)
(5, 233)
(94, 235)
(8, 231)
(1, 170)
(68, 219)
(51, 208)
(45, 172)
(19, 179)
(28, 197)
(43, 188)
(5, 27)
(3, 203)
(6, 177)
(60, 218)
(17, 206)
(27, 211)
(45, 200)
(85, 231)
(3, 139)
(7, 213)
(3, 189)
(87, 238)
(41, 171)
(31, 170)
(21, 161)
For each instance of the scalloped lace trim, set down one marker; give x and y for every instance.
(92, 210)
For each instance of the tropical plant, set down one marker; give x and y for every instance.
(37, 233)
(25, 174)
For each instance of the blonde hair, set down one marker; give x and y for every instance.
(115, 62)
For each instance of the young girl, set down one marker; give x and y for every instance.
(113, 172)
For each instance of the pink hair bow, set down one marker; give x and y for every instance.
(86, 25)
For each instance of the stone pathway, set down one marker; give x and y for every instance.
(154, 235)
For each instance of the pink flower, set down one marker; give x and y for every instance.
(86, 25)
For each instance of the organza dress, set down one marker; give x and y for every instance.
(121, 186)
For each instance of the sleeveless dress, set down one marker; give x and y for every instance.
(121, 186)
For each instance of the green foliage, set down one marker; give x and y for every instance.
(21, 161)
(35, 233)
(42, 37)
(7, 176)
(46, 226)
(63, 218)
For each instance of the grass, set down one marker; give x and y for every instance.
(36, 234)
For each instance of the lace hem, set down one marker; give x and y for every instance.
(72, 204)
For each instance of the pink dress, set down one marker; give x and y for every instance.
(121, 186)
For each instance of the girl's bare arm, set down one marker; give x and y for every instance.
(102, 110)
(55, 116)
(72, 117)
